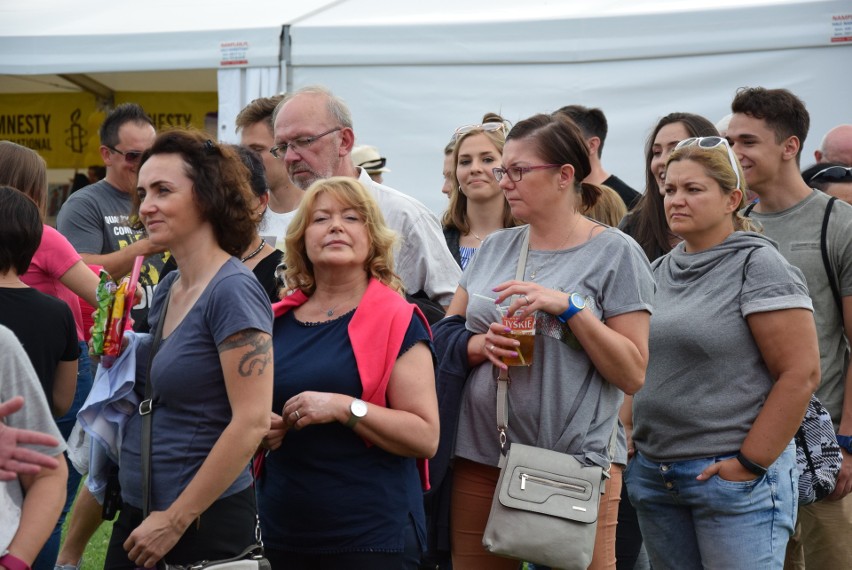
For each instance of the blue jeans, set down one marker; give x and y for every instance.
(47, 557)
(714, 524)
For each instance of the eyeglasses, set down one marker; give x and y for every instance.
(713, 142)
(487, 127)
(833, 174)
(516, 173)
(375, 164)
(129, 156)
(279, 150)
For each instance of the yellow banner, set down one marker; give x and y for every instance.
(56, 125)
(175, 109)
(63, 127)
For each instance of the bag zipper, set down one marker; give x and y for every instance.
(549, 482)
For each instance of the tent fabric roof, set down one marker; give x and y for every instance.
(86, 36)
(541, 31)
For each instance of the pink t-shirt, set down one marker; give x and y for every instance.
(52, 259)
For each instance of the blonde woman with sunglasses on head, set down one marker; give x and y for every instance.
(477, 205)
(734, 361)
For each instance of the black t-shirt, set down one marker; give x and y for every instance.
(45, 326)
(265, 273)
(628, 194)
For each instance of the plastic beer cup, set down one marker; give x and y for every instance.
(523, 330)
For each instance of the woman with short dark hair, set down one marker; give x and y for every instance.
(211, 378)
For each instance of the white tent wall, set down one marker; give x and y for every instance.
(239, 87)
(412, 72)
(410, 84)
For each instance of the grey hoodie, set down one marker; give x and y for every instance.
(706, 380)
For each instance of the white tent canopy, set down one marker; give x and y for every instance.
(413, 72)
(158, 45)
(413, 75)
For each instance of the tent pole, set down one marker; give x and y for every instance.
(284, 59)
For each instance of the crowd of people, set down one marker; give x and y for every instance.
(313, 357)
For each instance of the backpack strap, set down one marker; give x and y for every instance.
(823, 245)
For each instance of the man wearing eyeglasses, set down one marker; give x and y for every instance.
(767, 132)
(836, 146)
(313, 137)
(95, 218)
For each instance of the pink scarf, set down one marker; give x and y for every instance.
(376, 332)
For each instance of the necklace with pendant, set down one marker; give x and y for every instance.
(330, 312)
(555, 251)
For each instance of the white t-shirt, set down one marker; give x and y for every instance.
(273, 227)
(421, 257)
(17, 378)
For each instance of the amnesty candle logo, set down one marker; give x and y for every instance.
(77, 134)
(58, 126)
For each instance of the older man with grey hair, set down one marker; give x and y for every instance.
(313, 135)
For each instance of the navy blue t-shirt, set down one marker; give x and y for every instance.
(191, 405)
(324, 489)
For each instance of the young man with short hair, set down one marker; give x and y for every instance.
(254, 123)
(767, 132)
(593, 124)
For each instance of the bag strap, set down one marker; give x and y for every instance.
(145, 409)
(826, 261)
(522, 256)
(503, 379)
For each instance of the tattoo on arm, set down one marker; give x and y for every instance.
(254, 361)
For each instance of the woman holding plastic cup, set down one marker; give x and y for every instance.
(590, 290)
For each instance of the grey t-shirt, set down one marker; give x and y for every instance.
(614, 276)
(95, 220)
(706, 380)
(191, 406)
(18, 378)
(797, 231)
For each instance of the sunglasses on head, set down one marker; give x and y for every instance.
(487, 127)
(713, 142)
(129, 156)
(833, 174)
